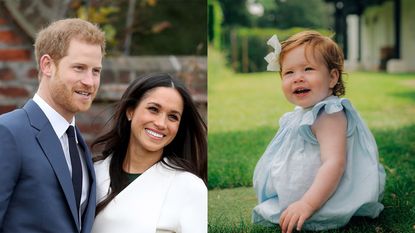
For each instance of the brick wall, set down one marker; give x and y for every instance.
(18, 77)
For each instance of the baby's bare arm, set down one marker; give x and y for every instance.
(330, 131)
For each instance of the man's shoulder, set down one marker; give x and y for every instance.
(13, 117)
(14, 124)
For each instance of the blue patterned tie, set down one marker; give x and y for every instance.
(76, 165)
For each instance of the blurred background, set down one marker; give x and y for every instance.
(374, 34)
(246, 102)
(142, 36)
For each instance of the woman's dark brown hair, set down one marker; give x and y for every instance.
(187, 151)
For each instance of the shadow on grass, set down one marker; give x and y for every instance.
(233, 156)
(407, 95)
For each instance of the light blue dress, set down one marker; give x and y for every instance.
(287, 169)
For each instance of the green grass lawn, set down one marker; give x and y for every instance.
(243, 115)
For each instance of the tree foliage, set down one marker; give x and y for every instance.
(281, 14)
(158, 27)
(215, 20)
(235, 13)
(171, 27)
(296, 13)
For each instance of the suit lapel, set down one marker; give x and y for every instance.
(53, 151)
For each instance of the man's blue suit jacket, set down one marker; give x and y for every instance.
(36, 192)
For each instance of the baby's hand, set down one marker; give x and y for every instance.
(295, 215)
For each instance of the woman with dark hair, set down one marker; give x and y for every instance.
(152, 169)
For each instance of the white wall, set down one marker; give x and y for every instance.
(408, 34)
(353, 43)
(377, 32)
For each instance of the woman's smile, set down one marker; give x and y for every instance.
(154, 134)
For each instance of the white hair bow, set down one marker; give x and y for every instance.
(272, 57)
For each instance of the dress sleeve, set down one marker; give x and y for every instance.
(329, 106)
(193, 217)
(103, 179)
